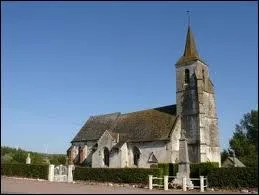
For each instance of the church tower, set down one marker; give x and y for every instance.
(195, 99)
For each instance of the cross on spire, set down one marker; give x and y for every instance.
(190, 52)
(189, 17)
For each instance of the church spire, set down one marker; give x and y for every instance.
(190, 52)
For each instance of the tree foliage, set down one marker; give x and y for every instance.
(245, 140)
(12, 155)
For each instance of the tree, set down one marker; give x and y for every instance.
(20, 156)
(12, 155)
(245, 139)
(58, 159)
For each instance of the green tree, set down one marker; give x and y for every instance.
(20, 156)
(36, 158)
(12, 155)
(58, 159)
(245, 139)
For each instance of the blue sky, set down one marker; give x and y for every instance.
(65, 61)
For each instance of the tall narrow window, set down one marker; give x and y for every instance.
(203, 76)
(81, 154)
(106, 156)
(186, 76)
(136, 155)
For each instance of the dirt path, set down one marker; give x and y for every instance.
(23, 185)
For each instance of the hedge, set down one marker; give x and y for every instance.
(196, 169)
(202, 169)
(233, 177)
(169, 169)
(25, 170)
(119, 175)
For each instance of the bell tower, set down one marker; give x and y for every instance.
(195, 99)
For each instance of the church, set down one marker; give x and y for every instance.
(147, 137)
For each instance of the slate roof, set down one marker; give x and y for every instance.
(190, 54)
(237, 161)
(146, 125)
(95, 127)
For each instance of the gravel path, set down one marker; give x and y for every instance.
(25, 185)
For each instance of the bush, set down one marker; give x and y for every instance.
(164, 167)
(168, 169)
(25, 170)
(233, 177)
(196, 169)
(202, 169)
(120, 175)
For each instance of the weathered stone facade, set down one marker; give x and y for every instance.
(144, 138)
(196, 105)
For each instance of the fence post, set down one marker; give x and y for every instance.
(184, 184)
(165, 182)
(202, 183)
(51, 173)
(150, 184)
(69, 174)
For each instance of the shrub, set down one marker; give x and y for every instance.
(173, 169)
(120, 175)
(164, 167)
(196, 169)
(202, 169)
(233, 177)
(168, 169)
(25, 170)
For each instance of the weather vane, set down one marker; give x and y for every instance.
(189, 17)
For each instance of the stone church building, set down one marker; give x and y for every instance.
(147, 137)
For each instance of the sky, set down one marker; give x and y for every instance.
(63, 62)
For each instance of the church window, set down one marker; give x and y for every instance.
(81, 154)
(186, 76)
(95, 146)
(106, 156)
(136, 155)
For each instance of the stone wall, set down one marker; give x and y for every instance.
(106, 140)
(81, 152)
(197, 109)
(161, 150)
(175, 136)
(124, 158)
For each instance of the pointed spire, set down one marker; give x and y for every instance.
(190, 52)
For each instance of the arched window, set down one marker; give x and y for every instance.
(81, 154)
(106, 156)
(77, 154)
(136, 155)
(95, 147)
(186, 76)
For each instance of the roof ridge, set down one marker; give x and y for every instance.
(148, 109)
(108, 114)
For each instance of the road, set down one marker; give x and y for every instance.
(26, 186)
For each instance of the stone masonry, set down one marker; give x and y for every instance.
(151, 136)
